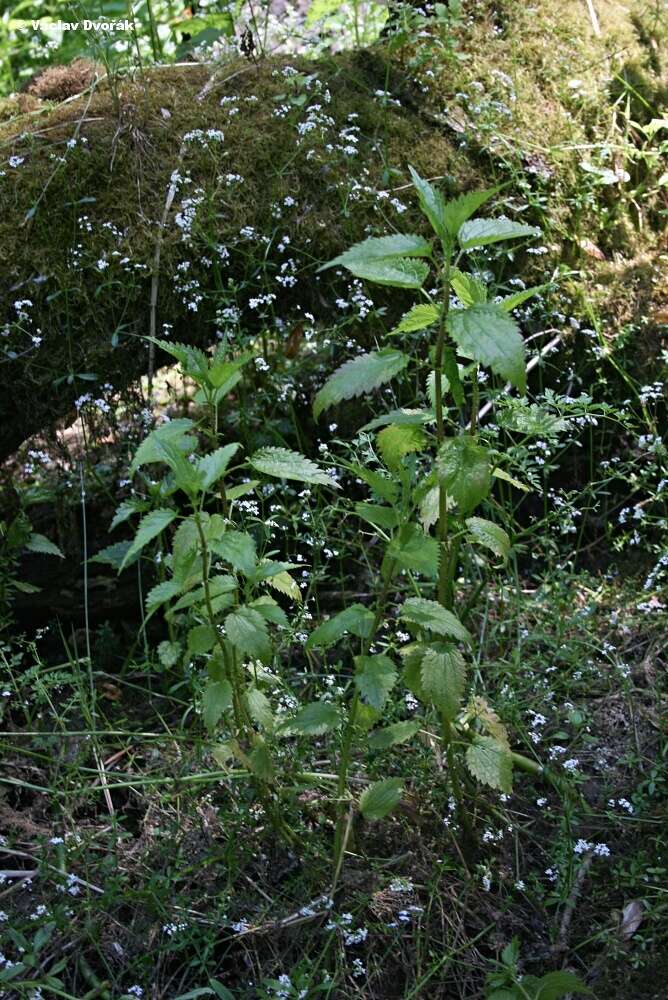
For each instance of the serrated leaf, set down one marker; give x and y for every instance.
(531, 419)
(511, 302)
(501, 474)
(125, 511)
(285, 464)
(381, 798)
(270, 610)
(284, 584)
(556, 985)
(234, 492)
(259, 708)
(491, 763)
(149, 528)
(261, 763)
(417, 318)
(467, 289)
(374, 679)
(432, 204)
(429, 508)
(201, 639)
(487, 334)
(356, 619)
(491, 535)
(402, 272)
(114, 555)
(384, 487)
(160, 593)
(413, 550)
(169, 653)
(193, 361)
(238, 549)
(218, 585)
(401, 418)
(431, 387)
(463, 467)
(482, 232)
(380, 517)
(451, 370)
(358, 376)
(380, 248)
(432, 616)
(443, 678)
(214, 465)
(481, 710)
(42, 545)
(399, 732)
(216, 700)
(462, 208)
(394, 442)
(313, 720)
(247, 631)
(174, 432)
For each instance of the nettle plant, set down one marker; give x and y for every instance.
(215, 579)
(406, 502)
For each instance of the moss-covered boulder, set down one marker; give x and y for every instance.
(197, 201)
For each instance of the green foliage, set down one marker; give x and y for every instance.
(381, 798)
(361, 375)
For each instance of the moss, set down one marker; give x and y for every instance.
(80, 226)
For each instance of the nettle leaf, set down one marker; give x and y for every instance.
(356, 619)
(213, 466)
(482, 232)
(556, 985)
(216, 700)
(418, 318)
(531, 419)
(414, 550)
(259, 708)
(460, 209)
(399, 732)
(313, 720)
(160, 593)
(402, 418)
(174, 432)
(193, 361)
(238, 549)
(502, 474)
(487, 334)
(432, 204)
(432, 616)
(467, 289)
(42, 545)
(451, 370)
(247, 631)
(261, 763)
(399, 273)
(381, 798)
(285, 464)
(285, 584)
(375, 678)
(218, 585)
(270, 610)
(115, 555)
(480, 709)
(491, 763)
(463, 467)
(234, 492)
(511, 302)
(384, 487)
(201, 639)
(491, 535)
(358, 376)
(149, 528)
(125, 511)
(429, 508)
(380, 517)
(431, 387)
(394, 442)
(378, 248)
(443, 678)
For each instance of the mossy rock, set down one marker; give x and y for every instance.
(205, 197)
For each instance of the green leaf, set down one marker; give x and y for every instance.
(284, 584)
(270, 610)
(259, 708)
(149, 528)
(358, 376)
(285, 464)
(401, 418)
(467, 289)
(381, 248)
(399, 273)
(511, 302)
(174, 432)
(193, 361)
(160, 593)
(201, 639)
(238, 549)
(486, 333)
(313, 720)
(380, 517)
(381, 798)
(43, 545)
(460, 209)
(417, 318)
(247, 631)
(490, 535)
(556, 985)
(501, 474)
(384, 487)
(414, 550)
(451, 369)
(216, 700)
(218, 585)
(443, 678)
(356, 619)
(114, 555)
(481, 232)
(261, 763)
(320, 9)
(432, 204)
(213, 466)
(463, 467)
(491, 763)
(234, 492)
(394, 442)
(399, 732)
(169, 653)
(429, 507)
(125, 511)
(374, 678)
(432, 616)
(431, 387)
